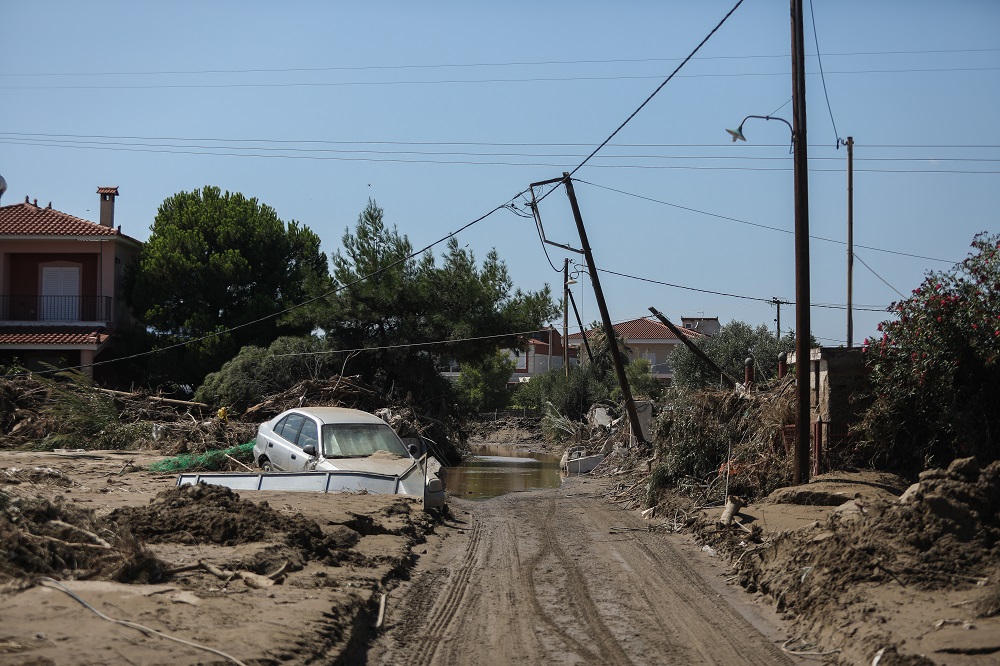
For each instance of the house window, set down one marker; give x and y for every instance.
(60, 293)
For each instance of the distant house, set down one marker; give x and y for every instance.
(60, 283)
(650, 339)
(535, 358)
(539, 355)
(704, 325)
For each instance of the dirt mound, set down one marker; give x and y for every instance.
(505, 430)
(941, 535)
(51, 538)
(48, 476)
(203, 513)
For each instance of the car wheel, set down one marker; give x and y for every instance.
(266, 465)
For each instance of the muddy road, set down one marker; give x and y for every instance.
(561, 576)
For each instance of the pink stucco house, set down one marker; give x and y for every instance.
(61, 283)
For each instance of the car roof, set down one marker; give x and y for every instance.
(337, 415)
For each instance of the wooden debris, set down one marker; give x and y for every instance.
(733, 506)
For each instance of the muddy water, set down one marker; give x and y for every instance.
(496, 469)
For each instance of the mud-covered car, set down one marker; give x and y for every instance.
(325, 439)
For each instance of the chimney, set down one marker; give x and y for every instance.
(108, 195)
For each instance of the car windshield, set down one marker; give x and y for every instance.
(359, 440)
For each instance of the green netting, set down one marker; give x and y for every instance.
(208, 461)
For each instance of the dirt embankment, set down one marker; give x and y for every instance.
(210, 575)
(523, 432)
(862, 569)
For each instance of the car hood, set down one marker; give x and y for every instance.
(380, 463)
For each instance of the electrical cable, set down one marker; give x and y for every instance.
(819, 58)
(286, 70)
(878, 276)
(755, 224)
(653, 94)
(830, 306)
(550, 79)
(471, 143)
(70, 143)
(274, 315)
(410, 345)
(500, 163)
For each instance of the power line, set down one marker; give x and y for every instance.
(541, 79)
(474, 143)
(411, 345)
(822, 76)
(169, 150)
(658, 89)
(291, 146)
(878, 276)
(288, 70)
(832, 306)
(758, 225)
(291, 308)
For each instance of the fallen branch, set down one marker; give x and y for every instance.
(97, 540)
(243, 465)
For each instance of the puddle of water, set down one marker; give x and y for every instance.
(496, 469)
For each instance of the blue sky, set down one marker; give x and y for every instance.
(442, 111)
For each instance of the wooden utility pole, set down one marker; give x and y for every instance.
(694, 348)
(777, 303)
(583, 331)
(850, 241)
(803, 411)
(609, 330)
(565, 347)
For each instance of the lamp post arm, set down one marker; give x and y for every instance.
(790, 129)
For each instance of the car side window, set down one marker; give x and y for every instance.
(309, 434)
(290, 426)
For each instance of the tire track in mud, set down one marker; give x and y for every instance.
(544, 578)
(579, 599)
(447, 604)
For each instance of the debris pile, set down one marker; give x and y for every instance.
(42, 537)
(942, 532)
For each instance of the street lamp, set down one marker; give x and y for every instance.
(737, 133)
(803, 410)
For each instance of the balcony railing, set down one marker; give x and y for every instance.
(53, 309)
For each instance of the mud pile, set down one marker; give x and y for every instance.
(42, 537)
(942, 534)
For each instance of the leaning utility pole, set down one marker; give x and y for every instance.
(565, 347)
(803, 411)
(850, 241)
(633, 415)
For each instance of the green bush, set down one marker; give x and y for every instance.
(256, 373)
(729, 349)
(483, 386)
(935, 378)
(571, 396)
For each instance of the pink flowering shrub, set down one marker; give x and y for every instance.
(935, 376)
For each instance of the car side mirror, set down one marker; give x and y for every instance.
(414, 449)
(309, 449)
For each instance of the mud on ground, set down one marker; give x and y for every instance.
(863, 566)
(264, 578)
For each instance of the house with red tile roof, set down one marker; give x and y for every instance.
(61, 283)
(542, 352)
(649, 339)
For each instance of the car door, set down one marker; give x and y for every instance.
(283, 447)
(308, 434)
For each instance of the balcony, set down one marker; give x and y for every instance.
(55, 309)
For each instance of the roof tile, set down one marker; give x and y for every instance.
(643, 329)
(27, 219)
(52, 335)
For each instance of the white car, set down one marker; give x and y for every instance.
(324, 439)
